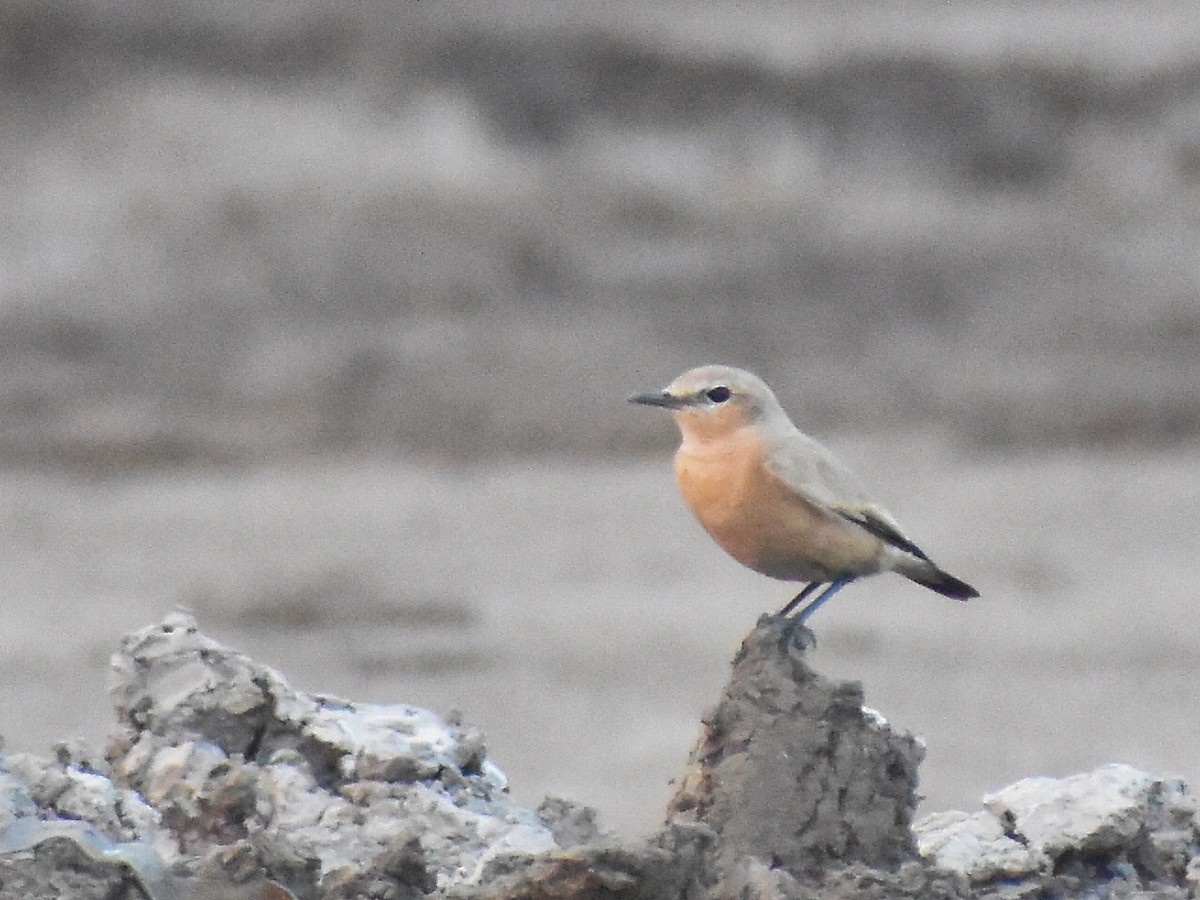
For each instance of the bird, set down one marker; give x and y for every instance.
(778, 501)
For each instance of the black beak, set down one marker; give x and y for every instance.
(659, 398)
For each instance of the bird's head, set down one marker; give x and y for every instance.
(710, 402)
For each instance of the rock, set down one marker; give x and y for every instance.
(975, 845)
(795, 789)
(330, 786)
(793, 770)
(572, 824)
(1105, 810)
(60, 815)
(60, 867)
(1113, 824)
(223, 783)
(223, 779)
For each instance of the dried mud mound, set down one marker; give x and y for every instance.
(793, 769)
(224, 782)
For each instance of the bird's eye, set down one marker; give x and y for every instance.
(718, 394)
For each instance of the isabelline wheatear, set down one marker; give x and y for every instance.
(775, 499)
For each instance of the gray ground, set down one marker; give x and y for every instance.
(320, 323)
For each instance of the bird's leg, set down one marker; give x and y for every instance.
(800, 597)
(833, 588)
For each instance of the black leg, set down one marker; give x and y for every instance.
(825, 595)
(800, 597)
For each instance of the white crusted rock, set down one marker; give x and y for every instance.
(45, 800)
(975, 845)
(226, 746)
(1127, 819)
(1109, 807)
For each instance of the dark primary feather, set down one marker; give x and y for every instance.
(883, 531)
(929, 576)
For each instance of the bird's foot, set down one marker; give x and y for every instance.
(799, 635)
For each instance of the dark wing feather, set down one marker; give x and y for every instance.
(885, 531)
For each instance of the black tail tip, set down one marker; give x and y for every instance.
(945, 584)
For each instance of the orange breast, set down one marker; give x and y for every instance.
(764, 524)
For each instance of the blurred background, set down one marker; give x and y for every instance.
(319, 320)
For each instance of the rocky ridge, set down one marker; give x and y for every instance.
(223, 781)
